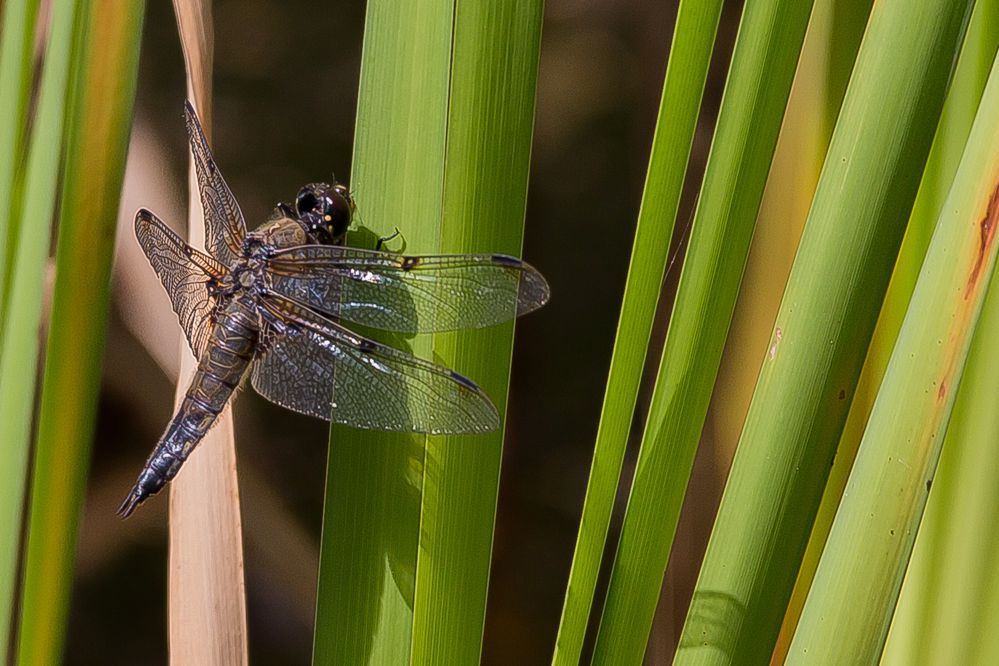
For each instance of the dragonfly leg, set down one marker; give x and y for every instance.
(386, 239)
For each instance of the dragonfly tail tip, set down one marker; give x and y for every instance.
(129, 504)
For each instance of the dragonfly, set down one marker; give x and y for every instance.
(274, 304)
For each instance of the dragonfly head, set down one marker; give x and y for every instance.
(325, 210)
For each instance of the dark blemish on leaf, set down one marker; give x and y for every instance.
(929, 482)
(942, 391)
(842, 394)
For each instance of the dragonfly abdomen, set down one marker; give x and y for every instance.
(219, 373)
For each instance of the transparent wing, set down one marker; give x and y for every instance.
(408, 294)
(224, 225)
(312, 365)
(187, 275)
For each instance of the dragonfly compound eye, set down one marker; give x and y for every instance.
(306, 200)
(337, 214)
(325, 210)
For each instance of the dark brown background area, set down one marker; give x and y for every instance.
(285, 91)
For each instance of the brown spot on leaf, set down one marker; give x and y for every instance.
(987, 232)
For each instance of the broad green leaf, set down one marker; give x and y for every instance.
(438, 79)
(374, 480)
(489, 130)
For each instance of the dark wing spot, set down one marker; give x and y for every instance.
(367, 346)
(409, 262)
(464, 381)
(507, 260)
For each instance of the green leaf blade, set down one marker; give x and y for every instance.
(19, 356)
(956, 119)
(825, 322)
(490, 122)
(690, 55)
(749, 121)
(97, 142)
(16, 42)
(887, 490)
(371, 515)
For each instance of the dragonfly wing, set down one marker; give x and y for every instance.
(408, 294)
(187, 275)
(225, 228)
(312, 365)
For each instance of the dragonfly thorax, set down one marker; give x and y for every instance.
(275, 234)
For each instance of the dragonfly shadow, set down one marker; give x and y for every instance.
(379, 559)
(713, 624)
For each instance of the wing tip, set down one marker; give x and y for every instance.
(507, 261)
(191, 118)
(534, 290)
(143, 218)
(195, 131)
(488, 418)
(465, 381)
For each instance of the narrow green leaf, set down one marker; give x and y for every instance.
(490, 121)
(371, 518)
(946, 591)
(967, 632)
(97, 142)
(757, 88)
(853, 596)
(826, 319)
(960, 602)
(690, 54)
(16, 42)
(845, 21)
(942, 602)
(19, 356)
